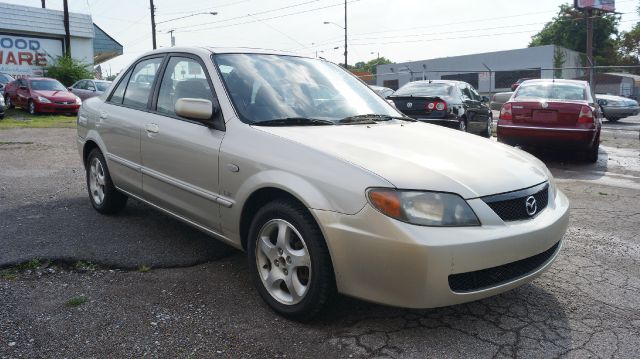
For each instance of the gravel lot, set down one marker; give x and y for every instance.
(197, 299)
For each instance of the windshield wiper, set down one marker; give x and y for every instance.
(372, 118)
(293, 121)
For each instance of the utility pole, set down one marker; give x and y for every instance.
(153, 24)
(67, 33)
(588, 13)
(173, 39)
(345, 35)
(43, 4)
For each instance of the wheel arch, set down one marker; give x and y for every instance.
(89, 145)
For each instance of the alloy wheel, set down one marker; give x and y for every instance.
(283, 262)
(462, 125)
(97, 181)
(32, 108)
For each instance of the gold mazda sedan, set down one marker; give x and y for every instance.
(327, 187)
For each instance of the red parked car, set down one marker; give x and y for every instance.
(552, 113)
(41, 95)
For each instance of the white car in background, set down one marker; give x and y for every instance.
(615, 108)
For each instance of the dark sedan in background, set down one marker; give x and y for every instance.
(89, 88)
(447, 103)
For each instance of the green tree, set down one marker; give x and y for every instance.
(370, 66)
(568, 29)
(67, 70)
(630, 46)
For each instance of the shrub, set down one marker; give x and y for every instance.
(67, 70)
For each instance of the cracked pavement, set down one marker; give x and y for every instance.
(198, 300)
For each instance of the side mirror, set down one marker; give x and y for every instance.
(602, 102)
(196, 108)
(92, 89)
(486, 99)
(70, 88)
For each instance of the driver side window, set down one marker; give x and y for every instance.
(183, 78)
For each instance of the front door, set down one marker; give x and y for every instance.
(180, 156)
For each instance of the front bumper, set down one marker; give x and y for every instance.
(379, 259)
(56, 108)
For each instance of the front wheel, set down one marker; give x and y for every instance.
(31, 107)
(289, 260)
(462, 125)
(104, 196)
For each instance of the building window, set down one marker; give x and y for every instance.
(471, 79)
(504, 79)
(392, 84)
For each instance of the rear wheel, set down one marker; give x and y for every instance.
(7, 102)
(289, 260)
(104, 196)
(487, 132)
(592, 153)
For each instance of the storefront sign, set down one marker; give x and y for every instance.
(22, 56)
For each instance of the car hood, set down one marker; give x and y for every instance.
(422, 156)
(56, 95)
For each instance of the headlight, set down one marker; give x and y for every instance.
(43, 99)
(78, 101)
(423, 208)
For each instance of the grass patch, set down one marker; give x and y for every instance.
(9, 274)
(85, 266)
(144, 269)
(32, 264)
(77, 301)
(5, 143)
(18, 118)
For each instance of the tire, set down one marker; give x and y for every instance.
(272, 260)
(592, 153)
(31, 108)
(613, 119)
(105, 198)
(488, 131)
(462, 125)
(7, 102)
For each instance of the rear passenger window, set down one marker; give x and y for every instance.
(140, 83)
(118, 93)
(183, 78)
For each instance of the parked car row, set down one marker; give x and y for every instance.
(46, 95)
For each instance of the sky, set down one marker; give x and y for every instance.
(400, 30)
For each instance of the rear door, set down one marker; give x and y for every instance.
(122, 118)
(179, 155)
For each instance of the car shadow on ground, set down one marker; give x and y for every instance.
(69, 229)
(567, 163)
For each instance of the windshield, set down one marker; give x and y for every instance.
(47, 85)
(271, 87)
(552, 91)
(102, 86)
(424, 89)
(5, 79)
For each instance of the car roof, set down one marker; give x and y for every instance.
(600, 95)
(206, 50)
(448, 82)
(40, 78)
(561, 81)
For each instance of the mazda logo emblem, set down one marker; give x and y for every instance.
(531, 205)
(409, 104)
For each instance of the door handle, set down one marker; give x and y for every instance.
(103, 115)
(152, 128)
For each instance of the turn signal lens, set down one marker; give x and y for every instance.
(386, 201)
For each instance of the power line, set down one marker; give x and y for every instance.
(244, 16)
(273, 17)
(203, 9)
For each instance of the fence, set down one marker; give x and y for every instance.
(615, 80)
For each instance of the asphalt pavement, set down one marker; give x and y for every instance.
(197, 299)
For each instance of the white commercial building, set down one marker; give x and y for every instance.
(487, 72)
(31, 37)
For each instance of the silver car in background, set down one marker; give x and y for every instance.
(89, 88)
(615, 108)
(326, 186)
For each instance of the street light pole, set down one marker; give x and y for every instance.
(153, 23)
(173, 39)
